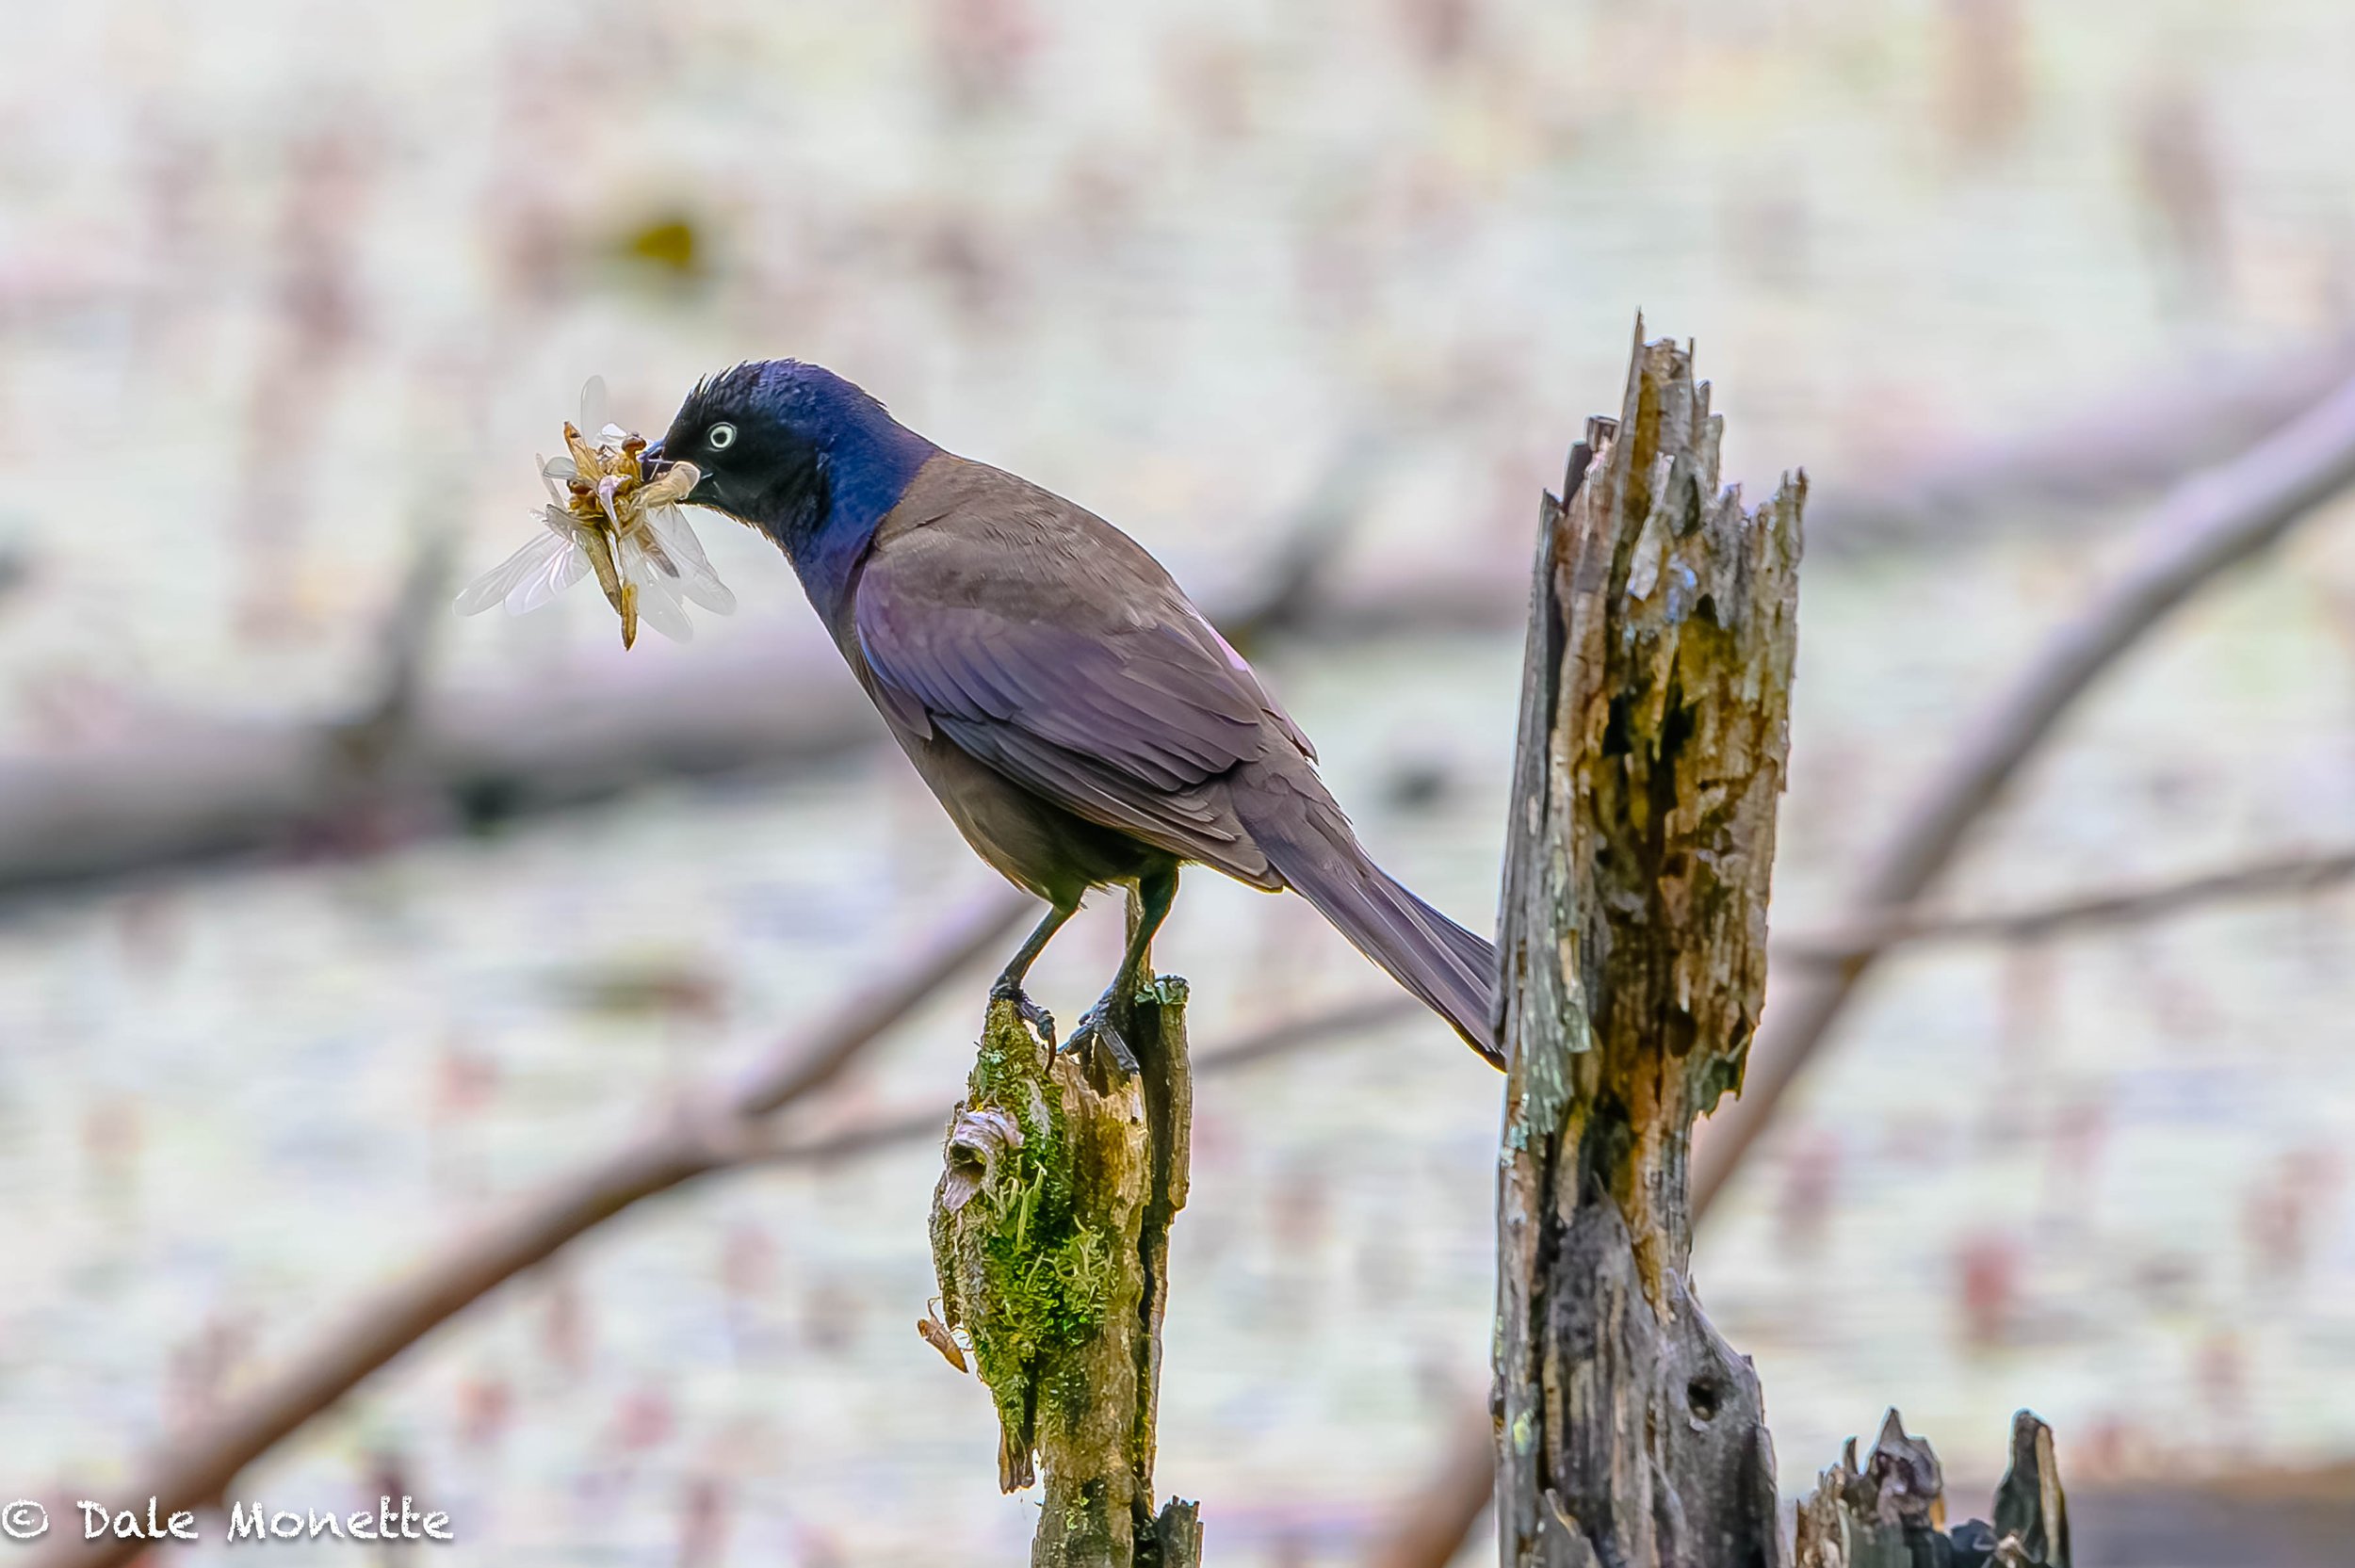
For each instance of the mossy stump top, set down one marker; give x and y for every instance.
(1050, 1230)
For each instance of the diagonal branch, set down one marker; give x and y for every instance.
(187, 789)
(709, 1134)
(2126, 905)
(385, 1326)
(2127, 444)
(1348, 1023)
(734, 1126)
(2208, 526)
(2209, 523)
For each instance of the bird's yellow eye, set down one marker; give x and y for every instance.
(720, 437)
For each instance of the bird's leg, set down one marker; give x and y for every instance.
(1105, 1023)
(1149, 906)
(1009, 983)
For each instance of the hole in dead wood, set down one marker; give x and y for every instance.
(1615, 736)
(1700, 1396)
(1676, 726)
(1705, 608)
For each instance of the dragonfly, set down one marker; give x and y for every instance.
(606, 516)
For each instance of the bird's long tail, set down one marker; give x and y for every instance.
(1308, 840)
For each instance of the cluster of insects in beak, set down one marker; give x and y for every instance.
(612, 502)
(607, 516)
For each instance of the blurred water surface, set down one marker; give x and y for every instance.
(283, 286)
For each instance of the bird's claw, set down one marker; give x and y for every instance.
(1097, 1028)
(1026, 1009)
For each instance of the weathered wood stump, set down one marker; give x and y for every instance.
(1654, 713)
(1891, 1511)
(1050, 1237)
(1654, 736)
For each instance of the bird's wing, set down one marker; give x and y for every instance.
(1051, 647)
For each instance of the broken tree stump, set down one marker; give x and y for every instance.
(1891, 1511)
(1655, 702)
(1050, 1239)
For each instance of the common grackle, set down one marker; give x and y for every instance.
(1081, 720)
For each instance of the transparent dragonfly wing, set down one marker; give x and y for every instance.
(597, 418)
(569, 565)
(557, 472)
(594, 405)
(530, 578)
(661, 604)
(697, 581)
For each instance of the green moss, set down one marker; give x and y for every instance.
(1044, 1274)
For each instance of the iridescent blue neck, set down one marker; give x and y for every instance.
(833, 463)
(864, 467)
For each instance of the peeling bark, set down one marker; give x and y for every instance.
(1654, 733)
(1653, 736)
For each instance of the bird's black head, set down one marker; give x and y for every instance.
(794, 450)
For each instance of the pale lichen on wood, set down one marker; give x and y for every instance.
(1050, 1237)
(1654, 720)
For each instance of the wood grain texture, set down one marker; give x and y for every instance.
(1654, 732)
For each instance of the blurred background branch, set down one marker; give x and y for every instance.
(414, 761)
(2094, 909)
(1288, 293)
(2208, 525)
(2126, 443)
(692, 1144)
(704, 1133)
(187, 789)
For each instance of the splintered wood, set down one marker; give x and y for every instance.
(1655, 705)
(1890, 1510)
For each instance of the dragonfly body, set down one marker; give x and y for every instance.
(607, 516)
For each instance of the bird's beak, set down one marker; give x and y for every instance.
(653, 465)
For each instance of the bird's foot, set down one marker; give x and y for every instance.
(1026, 1009)
(1097, 1031)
